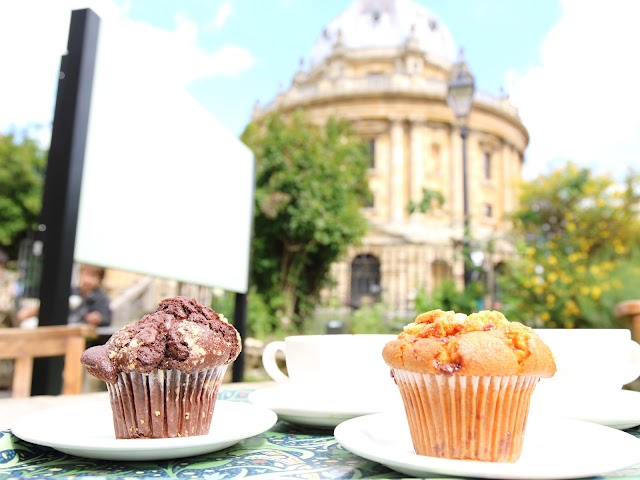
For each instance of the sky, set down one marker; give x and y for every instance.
(570, 66)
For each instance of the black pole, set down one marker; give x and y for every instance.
(466, 246)
(61, 196)
(240, 308)
(240, 323)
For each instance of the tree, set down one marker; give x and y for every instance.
(577, 230)
(310, 185)
(22, 166)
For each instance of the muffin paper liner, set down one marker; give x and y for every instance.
(466, 417)
(164, 403)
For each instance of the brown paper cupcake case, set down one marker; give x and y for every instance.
(164, 403)
(466, 417)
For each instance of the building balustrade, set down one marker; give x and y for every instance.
(379, 83)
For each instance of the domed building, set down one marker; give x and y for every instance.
(385, 66)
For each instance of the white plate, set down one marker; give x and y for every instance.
(619, 410)
(320, 408)
(558, 449)
(86, 430)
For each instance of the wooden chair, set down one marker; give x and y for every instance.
(629, 311)
(23, 345)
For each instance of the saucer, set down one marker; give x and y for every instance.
(619, 410)
(321, 408)
(86, 430)
(553, 449)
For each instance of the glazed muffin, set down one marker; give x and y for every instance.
(466, 383)
(163, 372)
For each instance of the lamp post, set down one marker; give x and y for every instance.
(477, 258)
(460, 99)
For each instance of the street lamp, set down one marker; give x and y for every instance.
(460, 99)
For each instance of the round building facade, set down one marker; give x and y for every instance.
(385, 66)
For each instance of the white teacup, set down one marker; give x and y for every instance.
(342, 361)
(591, 364)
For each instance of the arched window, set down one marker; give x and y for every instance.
(487, 165)
(365, 280)
(372, 153)
(488, 210)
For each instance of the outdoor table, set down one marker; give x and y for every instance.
(284, 451)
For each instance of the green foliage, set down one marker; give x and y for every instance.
(224, 304)
(367, 319)
(430, 200)
(22, 165)
(446, 296)
(624, 282)
(371, 318)
(261, 322)
(310, 186)
(578, 234)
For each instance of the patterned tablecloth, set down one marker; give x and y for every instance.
(285, 451)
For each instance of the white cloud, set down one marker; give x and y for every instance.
(230, 60)
(582, 103)
(223, 14)
(168, 60)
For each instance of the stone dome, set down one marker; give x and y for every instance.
(384, 24)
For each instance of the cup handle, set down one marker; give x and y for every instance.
(634, 370)
(269, 361)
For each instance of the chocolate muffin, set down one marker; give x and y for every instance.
(467, 382)
(163, 372)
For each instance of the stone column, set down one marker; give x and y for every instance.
(416, 168)
(398, 197)
(508, 178)
(455, 172)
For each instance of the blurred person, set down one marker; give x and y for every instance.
(7, 292)
(88, 302)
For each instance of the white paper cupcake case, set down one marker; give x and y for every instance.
(466, 417)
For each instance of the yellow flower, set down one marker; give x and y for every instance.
(545, 317)
(584, 290)
(552, 277)
(551, 298)
(571, 227)
(573, 257)
(596, 292)
(538, 290)
(572, 307)
(569, 324)
(581, 269)
(553, 261)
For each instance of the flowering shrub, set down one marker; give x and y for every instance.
(577, 236)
